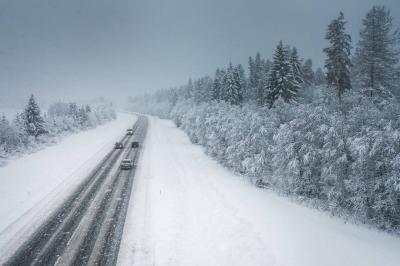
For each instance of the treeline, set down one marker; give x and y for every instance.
(31, 129)
(330, 138)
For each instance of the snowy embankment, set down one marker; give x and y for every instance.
(188, 210)
(34, 184)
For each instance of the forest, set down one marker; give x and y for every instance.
(329, 138)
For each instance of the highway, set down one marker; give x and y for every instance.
(87, 228)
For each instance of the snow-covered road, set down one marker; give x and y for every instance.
(188, 210)
(35, 184)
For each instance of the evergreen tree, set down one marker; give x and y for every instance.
(319, 77)
(263, 94)
(242, 77)
(189, 90)
(281, 82)
(255, 76)
(263, 86)
(252, 75)
(83, 117)
(203, 89)
(4, 125)
(73, 111)
(8, 137)
(231, 88)
(19, 126)
(33, 122)
(338, 61)
(296, 66)
(308, 73)
(257, 70)
(377, 55)
(88, 109)
(217, 84)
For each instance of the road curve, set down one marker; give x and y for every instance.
(87, 228)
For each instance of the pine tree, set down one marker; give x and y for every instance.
(308, 73)
(189, 91)
(19, 126)
(376, 55)
(319, 77)
(281, 82)
(255, 76)
(217, 84)
(338, 61)
(83, 117)
(33, 122)
(296, 66)
(252, 75)
(264, 93)
(242, 77)
(203, 89)
(88, 109)
(4, 124)
(231, 88)
(73, 111)
(257, 70)
(263, 86)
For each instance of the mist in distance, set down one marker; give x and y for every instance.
(80, 50)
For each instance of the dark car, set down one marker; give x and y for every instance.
(129, 131)
(126, 164)
(119, 145)
(135, 144)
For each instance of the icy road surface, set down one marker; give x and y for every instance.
(188, 210)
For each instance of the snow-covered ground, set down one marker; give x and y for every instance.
(35, 183)
(188, 210)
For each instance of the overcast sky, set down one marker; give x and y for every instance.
(67, 49)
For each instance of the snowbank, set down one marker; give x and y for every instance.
(186, 209)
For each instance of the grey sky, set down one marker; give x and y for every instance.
(67, 49)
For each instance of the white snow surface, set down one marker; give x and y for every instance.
(188, 210)
(33, 185)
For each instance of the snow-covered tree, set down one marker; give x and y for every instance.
(308, 73)
(377, 53)
(338, 54)
(242, 78)
(217, 84)
(88, 109)
(296, 66)
(34, 123)
(256, 68)
(189, 90)
(231, 87)
(319, 77)
(202, 89)
(83, 117)
(281, 83)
